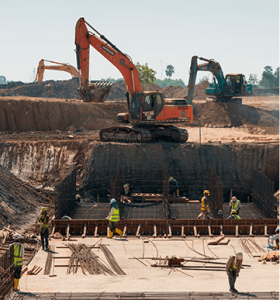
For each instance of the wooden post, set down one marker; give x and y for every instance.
(221, 229)
(108, 230)
(124, 231)
(230, 194)
(199, 133)
(265, 230)
(169, 230)
(248, 198)
(155, 231)
(85, 231)
(53, 229)
(96, 231)
(251, 230)
(195, 231)
(182, 231)
(209, 230)
(138, 230)
(236, 230)
(67, 232)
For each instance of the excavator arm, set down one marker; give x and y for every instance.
(57, 66)
(211, 66)
(83, 39)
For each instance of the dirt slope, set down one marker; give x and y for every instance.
(16, 201)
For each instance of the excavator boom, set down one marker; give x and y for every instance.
(84, 39)
(56, 66)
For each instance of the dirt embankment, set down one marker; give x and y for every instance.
(17, 201)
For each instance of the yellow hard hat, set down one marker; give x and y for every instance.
(206, 192)
(126, 185)
(171, 178)
(233, 211)
(43, 209)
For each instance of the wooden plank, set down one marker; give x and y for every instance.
(224, 242)
(85, 231)
(216, 241)
(138, 230)
(265, 230)
(67, 232)
(108, 230)
(5, 235)
(221, 229)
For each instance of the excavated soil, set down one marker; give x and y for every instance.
(16, 200)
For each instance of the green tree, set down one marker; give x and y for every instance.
(168, 81)
(268, 78)
(253, 79)
(147, 75)
(205, 78)
(169, 71)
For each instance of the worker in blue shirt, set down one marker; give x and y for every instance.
(173, 187)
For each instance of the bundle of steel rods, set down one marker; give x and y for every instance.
(88, 261)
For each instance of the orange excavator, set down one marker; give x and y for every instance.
(57, 66)
(150, 114)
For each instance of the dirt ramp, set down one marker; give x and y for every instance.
(29, 114)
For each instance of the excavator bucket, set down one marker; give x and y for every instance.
(97, 91)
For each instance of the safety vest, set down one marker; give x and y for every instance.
(234, 206)
(203, 204)
(17, 255)
(43, 219)
(115, 216)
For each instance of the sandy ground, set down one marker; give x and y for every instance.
(139, 277)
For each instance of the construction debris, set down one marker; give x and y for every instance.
(270, 256)
(34, 270)
(216, 241)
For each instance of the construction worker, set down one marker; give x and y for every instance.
(44, 228)
(173, 187)
(234, 208)
(274, 238)
(114, 217)
(204, 214)
(233, 267)
(126, 193)
(17, 252)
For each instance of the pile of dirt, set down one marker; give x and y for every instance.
(21, 114)
(217, 114)
(17, 200)
(67, 89)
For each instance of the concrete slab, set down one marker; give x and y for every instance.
(140, 278)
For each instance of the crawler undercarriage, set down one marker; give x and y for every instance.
(143, 134)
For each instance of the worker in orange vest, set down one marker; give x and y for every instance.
(204, 214)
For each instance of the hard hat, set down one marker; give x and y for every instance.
(126, 185)
(113, 201)
(277, 229)
(239, 256)
(206, 192)
(171, 178)
(43, 209)
(16, 236)
(233, 211)
(234, 198)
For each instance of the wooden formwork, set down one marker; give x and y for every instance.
(170, 227)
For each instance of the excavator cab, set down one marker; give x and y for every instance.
(236, 85)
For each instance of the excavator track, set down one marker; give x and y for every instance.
(125, 134)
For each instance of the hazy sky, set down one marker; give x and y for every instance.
(242, 35)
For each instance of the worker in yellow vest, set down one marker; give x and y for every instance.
(113, 218)
(205, 210)
(234, 208)
(17, 251)
(233, 267)
(44, 229)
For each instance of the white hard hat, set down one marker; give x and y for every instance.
(16, 236)
(113, 200)
(277, 229)
(239, 255)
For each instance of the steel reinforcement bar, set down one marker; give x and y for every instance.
(155, 228)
